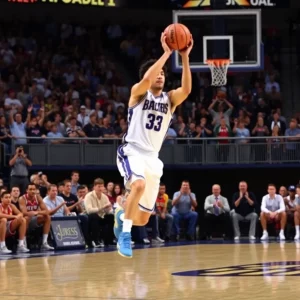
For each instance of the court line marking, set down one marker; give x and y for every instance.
(67, 297)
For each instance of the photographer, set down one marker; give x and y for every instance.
(19, 171)
(41, 182)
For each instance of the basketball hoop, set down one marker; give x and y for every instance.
(218, 68)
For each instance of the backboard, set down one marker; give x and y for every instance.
(223, 34)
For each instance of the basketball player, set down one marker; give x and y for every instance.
(11, 219)
(149, 116)
(36, 213)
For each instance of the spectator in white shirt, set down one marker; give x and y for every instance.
(17, 128)
(272, 211)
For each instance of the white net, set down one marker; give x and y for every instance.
(218, 68)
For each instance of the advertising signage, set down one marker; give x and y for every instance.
(162, 4)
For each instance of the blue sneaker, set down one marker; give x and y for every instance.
(124, 244)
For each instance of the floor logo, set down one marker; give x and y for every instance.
(286, 268)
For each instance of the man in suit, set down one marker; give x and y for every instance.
(244, 204)
(217, 210)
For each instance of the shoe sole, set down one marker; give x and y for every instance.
(122, 253)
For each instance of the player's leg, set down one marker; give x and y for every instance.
(3, 226)
(20, 225)
(297, 222)
(281, 217)
(45, 221)
(263, 220)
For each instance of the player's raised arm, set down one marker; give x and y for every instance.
(149, 77)
(179, 95)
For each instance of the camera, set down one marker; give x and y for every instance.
(20, 150)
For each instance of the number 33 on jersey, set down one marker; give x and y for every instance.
(148, 122)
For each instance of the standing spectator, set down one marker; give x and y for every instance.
(292, 146)
(36, 213)
(272, 211)
(243, 134)
(17, 128)
(184, 202)
(260, 130)
(19, 171)
(5, 134)
(99, 210)
(223, 131)
(244, 204)
(221, 114)
(74, 182)
(41, 182)
(276, 121)
(34, 126)
(73, 130)
(216, 209)
(165, 220)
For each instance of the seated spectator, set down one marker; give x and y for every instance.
(74, 131)
(170, 137)
(55, 204)
(11, 220)
(297, 214)
(11, 103)
(165, 220)
(244, 204)
(107, 130)
(275, 120)
(241, 131)
(36, 214)
(15, 195)
(83, 117)
(82, 190)
(291, 202)
(93, 130)
(60, 127)
(184, 202)
(55, 137)
(272, 84)
(5, 134)
(216, 209)
(100, 215)
(272, 211)
(109, 192)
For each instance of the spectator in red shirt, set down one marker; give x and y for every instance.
(223, 131)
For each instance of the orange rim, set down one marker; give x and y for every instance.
(218, 62)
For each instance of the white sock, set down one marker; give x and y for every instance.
(281, 231)
(45, 238)
(21, 242)
(265, 232)
(297, 229)
(127, 224)
(2, 244)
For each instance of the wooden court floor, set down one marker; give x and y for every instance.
(193, 271)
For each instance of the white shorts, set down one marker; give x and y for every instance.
(134, 165)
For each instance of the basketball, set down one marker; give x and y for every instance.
(178, 36)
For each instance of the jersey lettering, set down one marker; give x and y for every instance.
(159, 107)
(154, 122)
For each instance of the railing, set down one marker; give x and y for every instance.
(209, 151)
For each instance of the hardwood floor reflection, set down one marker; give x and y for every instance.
(238, 272)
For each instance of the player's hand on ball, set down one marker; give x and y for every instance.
(187, 50)
(164, 44)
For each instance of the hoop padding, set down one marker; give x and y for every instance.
(218, 68)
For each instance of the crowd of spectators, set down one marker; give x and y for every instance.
(58, 82)
(173, 218)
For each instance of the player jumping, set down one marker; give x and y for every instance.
(149, 117)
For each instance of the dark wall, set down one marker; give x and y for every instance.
(202, 180)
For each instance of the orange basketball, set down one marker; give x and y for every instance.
(178, 36)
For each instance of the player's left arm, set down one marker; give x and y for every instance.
(43, 208)
(179, 95)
